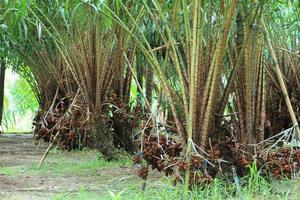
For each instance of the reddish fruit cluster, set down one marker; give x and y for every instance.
(71, 128)
(214, 153)
(182, 165)
(143, 172)
(163, 154)
(297, 155)
(161, 148)
(283, 162)
(136, 159)
(296, 159)
(245, 160)
(196, 161)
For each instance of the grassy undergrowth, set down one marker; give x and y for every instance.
(164, 190)
(58, 163)
(250, 187)
(111, 184)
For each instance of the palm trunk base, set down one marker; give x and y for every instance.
(103, 138)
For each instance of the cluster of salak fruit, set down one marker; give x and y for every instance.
(165, 155)
(285, 162)
(68, 124)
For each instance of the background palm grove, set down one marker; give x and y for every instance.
(195, 88)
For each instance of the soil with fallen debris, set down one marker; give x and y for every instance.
(19, 178)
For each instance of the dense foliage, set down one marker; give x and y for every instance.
(205, 71)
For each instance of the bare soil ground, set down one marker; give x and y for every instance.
(63, 172)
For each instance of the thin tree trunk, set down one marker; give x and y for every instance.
(140, 74)
(149, 85)
(248, 84)
(2, 80)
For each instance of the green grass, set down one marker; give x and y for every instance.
(250, 187)
(19, 132)
(166, 191)
(113, 187)
(80, 195)
(163, 190)
(9, 171)
(67, 165)
(58, 163)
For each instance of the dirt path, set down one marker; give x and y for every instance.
(63, 172)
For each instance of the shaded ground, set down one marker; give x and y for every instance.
(62, 173)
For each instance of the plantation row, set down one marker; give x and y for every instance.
(182, 82)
